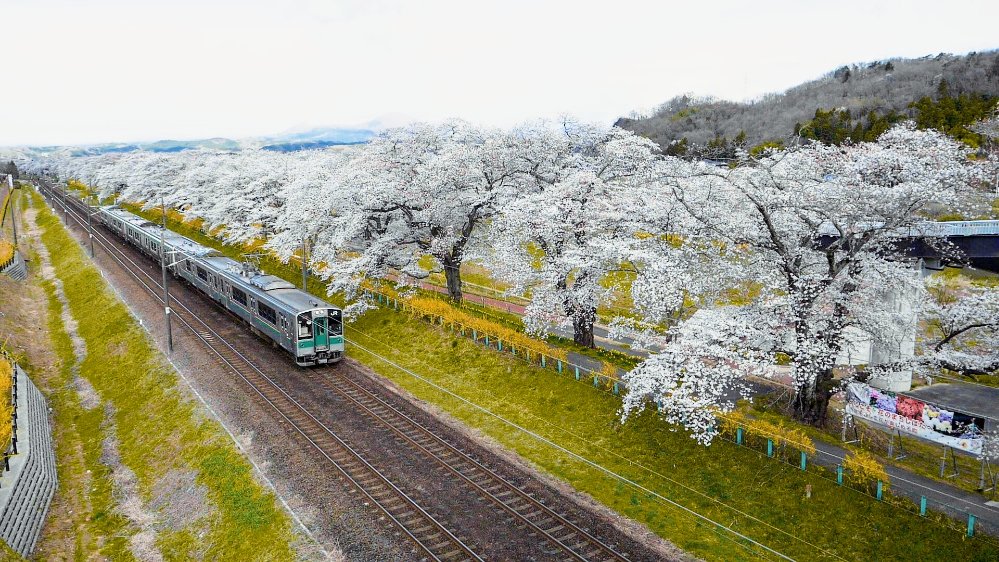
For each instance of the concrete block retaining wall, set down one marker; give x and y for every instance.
(26, 490)
(16, 269)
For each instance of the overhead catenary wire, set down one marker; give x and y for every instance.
(663, 476)
(572, 454)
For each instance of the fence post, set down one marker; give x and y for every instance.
(770, 447)
(487, 340)
(499, 344)
(577, 373)
(616, 390)
(475, 336)
(839, 474)
(971, 525)
(543, 361)
(922, 506)
(596, 381)
(881, 487)
(560, 366)
(804, 460)
(738, 436)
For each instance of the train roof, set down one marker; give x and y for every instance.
(298, 299)
(182, 243)
(274, 287)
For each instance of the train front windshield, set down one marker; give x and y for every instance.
(335, 322)
(331, 324)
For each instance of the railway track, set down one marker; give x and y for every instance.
(568, 540)
(429, 535)
(575, 542)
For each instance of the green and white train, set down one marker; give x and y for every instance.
(301, 323)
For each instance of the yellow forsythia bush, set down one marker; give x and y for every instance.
(451, 316)
(6, 251)
(864, 469)
(6, 408)
(780, 434)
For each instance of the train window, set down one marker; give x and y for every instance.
(335, 322)
(154, 246)
(239, 296)
(202, 274)
(267, 313)
(189, 268)
(304, 326)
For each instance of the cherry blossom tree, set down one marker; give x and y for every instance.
(962, 329)
(560, 237)
(817, 236)
(424, 190)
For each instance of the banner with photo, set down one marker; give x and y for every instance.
(910, 415)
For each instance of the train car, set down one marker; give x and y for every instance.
(310, 329)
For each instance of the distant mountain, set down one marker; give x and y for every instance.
(882, 87)
(318, 137)
(310, 139)
(311, 145)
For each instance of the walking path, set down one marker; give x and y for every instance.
(940, 496)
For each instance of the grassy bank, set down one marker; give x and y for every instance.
(732, 486)
(160, 435)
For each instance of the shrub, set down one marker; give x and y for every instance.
(6, 408)
(864, 469)
(6, 251)
(438, 310)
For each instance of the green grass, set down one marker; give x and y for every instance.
(715, 480)
(157, 429)
(719, 481)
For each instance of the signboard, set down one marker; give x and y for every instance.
(913, 416)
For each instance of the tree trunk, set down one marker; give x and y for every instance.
(811, 402)
(452, 274)
(582, 327)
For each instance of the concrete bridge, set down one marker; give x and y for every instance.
(978, 241)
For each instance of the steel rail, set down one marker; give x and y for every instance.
(577, 542)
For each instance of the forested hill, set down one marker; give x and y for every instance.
(837, 103)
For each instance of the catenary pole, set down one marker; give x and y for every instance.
(305, 261)
(13, 205)
(90, 228)
(65, 203)
(166, 290)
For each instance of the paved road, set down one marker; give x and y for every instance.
(951, 500)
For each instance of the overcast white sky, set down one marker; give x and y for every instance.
(123, 70)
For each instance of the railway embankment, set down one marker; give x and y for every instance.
(29, 481)
(144, 473)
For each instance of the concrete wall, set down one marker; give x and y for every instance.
(27, 488)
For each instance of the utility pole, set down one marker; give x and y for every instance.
(166, 290)
(13, 205)
(90, 228)
(305, 261)
(65, 204)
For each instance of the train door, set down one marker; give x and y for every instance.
(322, 334)
(216, 288)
